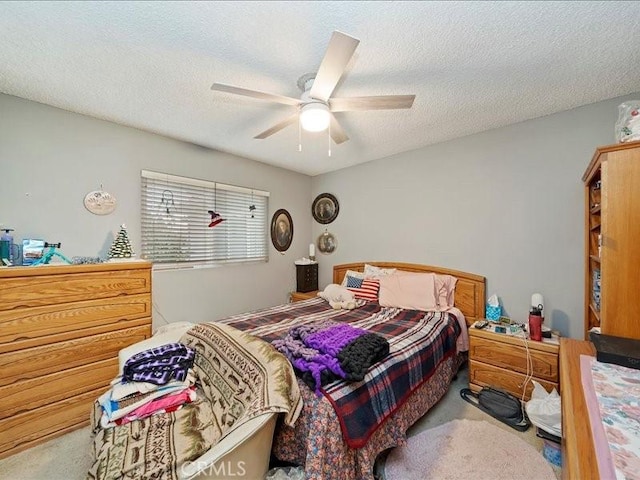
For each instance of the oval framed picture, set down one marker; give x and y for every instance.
(326, 243)
(325, 208)
(281, 230)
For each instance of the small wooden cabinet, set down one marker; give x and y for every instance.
(61, 328)
(299, 296)
(307, 277)
(500, 361)
(612, 239)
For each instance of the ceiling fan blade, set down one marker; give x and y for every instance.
(336, 58)
(382, 102)
(278, 126)
(337, 133)
(221, 87)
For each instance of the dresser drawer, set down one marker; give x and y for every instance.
(20, 397)
(35, 362)
(482, 374)
(40, 290)
(30, 327)
(514, 357)
(27, 429)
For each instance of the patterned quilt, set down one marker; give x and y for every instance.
(240, 377)
(418, 343)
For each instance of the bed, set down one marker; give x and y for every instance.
(340, 433)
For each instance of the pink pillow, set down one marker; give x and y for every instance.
(412, 291)
(446, 288)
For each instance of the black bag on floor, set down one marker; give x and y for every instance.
(500, 405)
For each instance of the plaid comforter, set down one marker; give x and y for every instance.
(418, 342)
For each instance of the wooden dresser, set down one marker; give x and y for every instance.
(499, 360)
(61, 327)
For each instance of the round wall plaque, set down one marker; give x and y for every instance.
(100, 202)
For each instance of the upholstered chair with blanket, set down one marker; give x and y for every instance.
(243, 452)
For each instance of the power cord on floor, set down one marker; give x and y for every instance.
(529, 375)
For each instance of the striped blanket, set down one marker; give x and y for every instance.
(239, 378)
(418, 342)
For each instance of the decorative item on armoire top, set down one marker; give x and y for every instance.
(100, 202)
(325, 208)
(281, 230)
(121, 247)
(327, 243)
(628, 124)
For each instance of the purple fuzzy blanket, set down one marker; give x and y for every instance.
(326, 351)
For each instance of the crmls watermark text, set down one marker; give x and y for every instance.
(227, 469)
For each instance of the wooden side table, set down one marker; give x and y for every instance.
(500, 360)
(299, 296)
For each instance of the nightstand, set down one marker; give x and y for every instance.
(500, 360)
(298, 296)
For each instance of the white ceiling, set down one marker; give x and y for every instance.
(472, 65)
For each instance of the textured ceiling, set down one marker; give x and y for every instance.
(473, 66)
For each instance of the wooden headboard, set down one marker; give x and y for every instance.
(470, 288)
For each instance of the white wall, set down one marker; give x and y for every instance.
(50, 158)
(506, 204)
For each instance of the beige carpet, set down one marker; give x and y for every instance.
(466, 449)
(68, 457)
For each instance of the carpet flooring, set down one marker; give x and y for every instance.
(68, 457)
(466, 449)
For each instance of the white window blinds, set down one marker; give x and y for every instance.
(175, 221)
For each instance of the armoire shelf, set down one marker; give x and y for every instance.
(612, 233)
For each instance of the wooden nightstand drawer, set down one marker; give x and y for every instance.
(514, 357)
(482, 374)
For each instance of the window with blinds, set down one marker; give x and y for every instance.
(175, 221)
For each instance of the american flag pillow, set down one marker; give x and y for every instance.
(354, 282)
(368, 290)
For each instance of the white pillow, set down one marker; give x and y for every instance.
(371, 271)
(351, 273)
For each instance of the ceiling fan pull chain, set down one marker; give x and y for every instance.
(329, 136)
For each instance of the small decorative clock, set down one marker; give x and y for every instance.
(100, 202)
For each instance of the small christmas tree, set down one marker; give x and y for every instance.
(121, 247)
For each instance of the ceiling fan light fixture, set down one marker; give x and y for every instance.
(314, 117)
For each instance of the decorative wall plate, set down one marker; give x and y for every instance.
(327, 243)
(100, 202)
(325, 208)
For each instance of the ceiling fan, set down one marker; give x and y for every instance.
(315, 105)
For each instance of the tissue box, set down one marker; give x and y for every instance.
(493, 313)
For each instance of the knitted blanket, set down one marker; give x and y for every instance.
(239, 377)
(326, 351)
